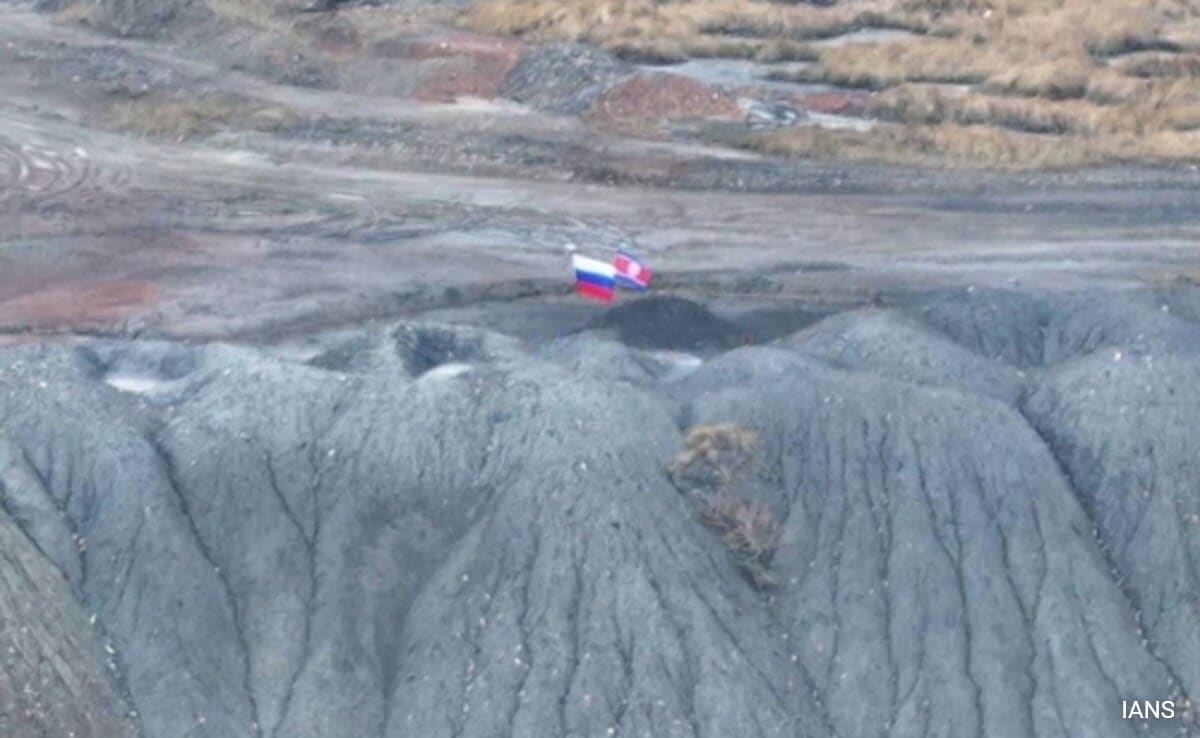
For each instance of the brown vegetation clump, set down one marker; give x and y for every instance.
(183, 118)
(956, 145)
(924, 104)
(1041, 83)
(713, 458)
(747, 528)
(672, 29)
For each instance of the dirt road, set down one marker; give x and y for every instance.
(247, 232)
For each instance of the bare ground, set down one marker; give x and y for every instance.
(296, 207)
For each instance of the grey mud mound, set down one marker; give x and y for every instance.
(588, 355)
(1027, 330)
(988, 529)
(894, 345)
(53, 678)
(943, 579)
(1123, 423)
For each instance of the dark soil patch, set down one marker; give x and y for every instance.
(671, 323)
(563, 78)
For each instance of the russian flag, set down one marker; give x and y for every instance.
(631, 272)
(594, 278)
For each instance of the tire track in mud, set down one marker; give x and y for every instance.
(37, 174)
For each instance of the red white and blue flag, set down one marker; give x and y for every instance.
(630, 271)
(594, 278)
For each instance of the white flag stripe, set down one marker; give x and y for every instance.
(595, 266)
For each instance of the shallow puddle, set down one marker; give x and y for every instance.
(137, 384)
(865, 36)
(741, 73)
(835, 122)
(676, 364)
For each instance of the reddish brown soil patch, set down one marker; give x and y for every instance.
(339, 40)
(445, 80)
(660, 98)
(455, 65)
(501, 50)
(849, 102)
(76, 305)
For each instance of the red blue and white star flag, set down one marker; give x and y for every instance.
(631, 272)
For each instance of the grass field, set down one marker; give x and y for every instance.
(1007, 83)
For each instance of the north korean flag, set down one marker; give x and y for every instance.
(630, 271)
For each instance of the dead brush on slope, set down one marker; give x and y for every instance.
(747, 528)
(712, 460)
(712, 456)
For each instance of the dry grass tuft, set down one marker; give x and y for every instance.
(923, 104)
(83, 13)
(1051, 82)
(670, 29)
(956, 145)
(183, 118)
(880, 65)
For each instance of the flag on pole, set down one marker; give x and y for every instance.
(594, 278)
(630, 271)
